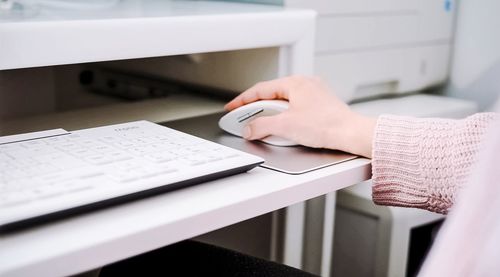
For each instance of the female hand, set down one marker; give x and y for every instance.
(315, 118)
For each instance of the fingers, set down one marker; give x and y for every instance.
(275, 89)
(265, 126)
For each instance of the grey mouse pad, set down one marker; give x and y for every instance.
(291, 160)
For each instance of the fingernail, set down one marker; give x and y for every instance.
(247, 132)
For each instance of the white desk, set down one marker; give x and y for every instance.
(138, 29)
(88, 241)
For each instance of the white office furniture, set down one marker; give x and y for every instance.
(366, 48)
(375, 240)
(139, 29)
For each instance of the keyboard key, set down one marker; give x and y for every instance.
(41, 192)
(161, 157)
(16, 198)
(124, 177)
(99, 159)
(119, 156)
(40, 169)
(194, 160)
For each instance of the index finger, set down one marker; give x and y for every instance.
(275, 89)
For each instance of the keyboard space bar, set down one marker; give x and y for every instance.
(34, 135)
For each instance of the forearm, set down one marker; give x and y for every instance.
(422, 163)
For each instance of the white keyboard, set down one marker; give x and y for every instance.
(47, 174)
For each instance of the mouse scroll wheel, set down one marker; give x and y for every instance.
(249, 115)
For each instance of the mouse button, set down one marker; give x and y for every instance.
(230, 124)
(249, 114)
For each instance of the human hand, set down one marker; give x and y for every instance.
(315, 118)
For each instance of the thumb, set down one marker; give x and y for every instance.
(264, 126)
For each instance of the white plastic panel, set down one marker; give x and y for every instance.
(157, 28)
(436, 19)
(355, 6)
(358, 24)
(364, 74)
(338, 33)
(419, 105)
(434, 64)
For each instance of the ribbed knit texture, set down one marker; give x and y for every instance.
(422, 163)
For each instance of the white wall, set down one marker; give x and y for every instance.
(475, 71)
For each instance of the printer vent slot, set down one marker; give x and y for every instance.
(376, 89)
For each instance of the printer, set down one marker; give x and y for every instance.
(367, 48)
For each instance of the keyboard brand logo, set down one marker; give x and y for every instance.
(125, 129)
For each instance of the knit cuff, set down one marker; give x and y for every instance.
(396, 177)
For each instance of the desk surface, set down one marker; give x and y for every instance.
(88, 241)
(146, 28)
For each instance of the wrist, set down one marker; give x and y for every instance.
(363, 138)
(355, 135)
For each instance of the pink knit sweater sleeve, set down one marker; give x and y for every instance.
(422, 163)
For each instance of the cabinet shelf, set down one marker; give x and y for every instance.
(146, 28)
(173, 107)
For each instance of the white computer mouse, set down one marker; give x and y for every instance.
(234, 121)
